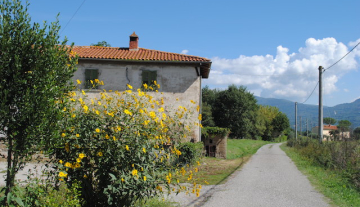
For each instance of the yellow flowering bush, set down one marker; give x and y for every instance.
(121, 146)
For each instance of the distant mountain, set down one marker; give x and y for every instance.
(346, 111)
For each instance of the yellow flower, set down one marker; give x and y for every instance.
(141, 111)
(200, 117)
(97, 130)
(127, 112)
(134, 172)
(144, 150)
(99, 103)
(127, 148)
(129, 86)
(122, 180)
(68, 164)
(144, 178)
(114, 138)
(78, 159)
(96, 80)
(83, 92)
(64, 109)
(145, 86)
(192, 101)
(73, 116)
(107, 136)
(63, 134)
(82, 155)
(97, 112)
(77, 135)
(100, 154)
(62, 174)
(78, 81)
(118, 128)
(86, 108)
(152, 114)
(60, 161)
(198, 108)
(77, 165)
(85, 176)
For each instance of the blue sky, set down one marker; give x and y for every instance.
(272, 47)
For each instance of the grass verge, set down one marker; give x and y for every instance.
(215, 171)
(329, 183)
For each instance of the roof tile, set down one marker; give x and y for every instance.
(98, 52)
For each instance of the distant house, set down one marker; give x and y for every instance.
(179, 75)
(327, 132)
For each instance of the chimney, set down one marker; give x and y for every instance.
(134, 42)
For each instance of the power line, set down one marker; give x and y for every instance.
(311, 93)
(331, 67)
(72, 16)
(343, 57)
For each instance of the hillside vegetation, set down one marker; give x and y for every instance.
(346, 111)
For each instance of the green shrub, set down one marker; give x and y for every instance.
(340, 156)
(190, 152)
(119, 146)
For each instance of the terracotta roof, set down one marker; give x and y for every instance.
(119, 53)
(330, 127)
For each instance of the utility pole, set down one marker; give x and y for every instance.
(321, 123)
(296, 120)
(307, 128)
(300, 127)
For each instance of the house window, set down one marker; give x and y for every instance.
(90, 76)
(149, 78)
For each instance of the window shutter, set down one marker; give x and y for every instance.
(153, 75)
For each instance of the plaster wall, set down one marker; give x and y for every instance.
(179, 84)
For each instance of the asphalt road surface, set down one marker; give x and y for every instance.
(270, 178)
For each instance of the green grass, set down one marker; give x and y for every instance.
(329, 183)
(243, 147)
(156, 202)
(215, 171)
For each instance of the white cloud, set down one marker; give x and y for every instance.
(184, 51)
(291, 76)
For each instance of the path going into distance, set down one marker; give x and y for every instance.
(269, 179)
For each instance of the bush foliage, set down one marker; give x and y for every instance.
(120, 146)
(341, 156)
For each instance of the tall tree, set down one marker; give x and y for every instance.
(329, 120)
(235, 108)
(357, 133)
(102, 43)
(280, 123)
(35, 72)
(344, 125)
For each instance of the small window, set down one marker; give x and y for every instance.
(90, 76)
(149, 78)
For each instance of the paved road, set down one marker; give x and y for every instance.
(270, 178)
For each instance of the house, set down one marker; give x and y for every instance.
(179, 75)
(328, 130)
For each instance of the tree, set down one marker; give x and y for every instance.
(35, 72)
(280, 123)
(235, 108)
(357, 133)
(102, 44)
(207, 117)
(344, 125)
(329, 120)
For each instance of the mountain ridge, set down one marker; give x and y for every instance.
(344, 111)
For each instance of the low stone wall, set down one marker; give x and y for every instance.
(216, 145)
